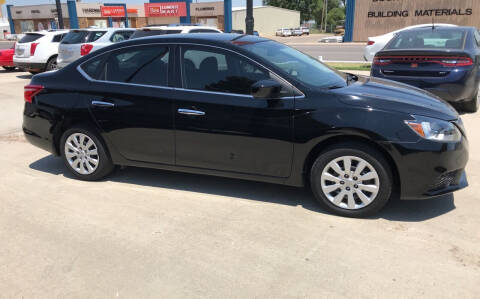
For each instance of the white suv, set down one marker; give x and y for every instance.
(37, 51)
(80, 42)
(283, 32)
(173, 29)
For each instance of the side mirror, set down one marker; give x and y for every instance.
(266, 89)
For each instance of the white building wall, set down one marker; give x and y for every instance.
(267, 19)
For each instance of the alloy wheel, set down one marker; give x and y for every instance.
(81, 153)
(350, 182)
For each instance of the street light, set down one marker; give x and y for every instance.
(249, 22)
(59, 14)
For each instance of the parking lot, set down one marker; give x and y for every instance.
(156, 234)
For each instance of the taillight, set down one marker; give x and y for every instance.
(33, 47)
(456, 61)
(370, 42)
(29, 91)
(85, 49)
(381, 61)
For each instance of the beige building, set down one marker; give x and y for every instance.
(208, 13)
(267, 19)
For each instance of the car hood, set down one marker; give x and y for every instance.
(389, 95)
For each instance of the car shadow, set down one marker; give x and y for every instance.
(25, 76)
(396, 210)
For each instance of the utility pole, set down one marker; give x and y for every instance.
(59, 14)
(249, 22)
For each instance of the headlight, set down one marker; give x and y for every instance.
(434, 129)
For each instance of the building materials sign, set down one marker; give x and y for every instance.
(166, 9)
(376, 17)
(112, 11)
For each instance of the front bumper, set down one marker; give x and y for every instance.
(428, 169)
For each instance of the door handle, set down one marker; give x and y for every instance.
(191, 112)
(102, 104)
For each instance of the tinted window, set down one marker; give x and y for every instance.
(30, 37)
(294, 63)
(150, 32)
(218, 70)
(477, 37)
(120, 36)
(57, 38)
(94, 35)
(75, 37)
(428, 39)
(139, 65)
(203, 31)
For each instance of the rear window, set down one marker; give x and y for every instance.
(30, 37)
(82, 36)
(428, 39)
(148, 32)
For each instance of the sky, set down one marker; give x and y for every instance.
(235, 3)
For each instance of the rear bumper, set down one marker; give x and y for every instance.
(38, 129)
(30, 65)
(454, 87)
(428, 169)
(6, 63)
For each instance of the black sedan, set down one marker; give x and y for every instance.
(443, 60)
(249, 108)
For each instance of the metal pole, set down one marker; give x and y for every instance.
(249, 22)
(59, 14)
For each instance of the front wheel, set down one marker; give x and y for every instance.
(351, 179)
(85, 155)
(471, 105)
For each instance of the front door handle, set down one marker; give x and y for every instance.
(191, 112)
(102, 104)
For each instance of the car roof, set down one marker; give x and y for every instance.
(166, 27)
(110, 29)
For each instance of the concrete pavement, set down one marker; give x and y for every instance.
(146, 233)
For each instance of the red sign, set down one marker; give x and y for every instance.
(166, 9)
(112, 11)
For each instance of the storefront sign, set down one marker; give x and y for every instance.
(112, 11)
(42, 11)
(166, 9)
(206, 9)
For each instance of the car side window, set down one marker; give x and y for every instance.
(477, 38)
(120, 36)
(57, 38)
(95, 35)
(218, 70)
(145, 65)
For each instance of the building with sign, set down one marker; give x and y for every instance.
(208, 13)
(267, 19)
(367, 18)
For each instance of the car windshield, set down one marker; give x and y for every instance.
(302, 67)
(30, 37)
(428, 39)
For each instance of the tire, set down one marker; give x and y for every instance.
(351, 198)
(8, 68)
(75, 150)
(51, 64)
(472, 105)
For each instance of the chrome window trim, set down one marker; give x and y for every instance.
(84, 74)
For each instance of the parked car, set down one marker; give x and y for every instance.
(238, 31)
(297, 32)
(6, 58)
(255, 32)
(80, 42)
(331, 39)
(442, 60)
(376, 43)
(305, 30)
(169, 29)
(38, 51)
(283, 32)
(250, 108)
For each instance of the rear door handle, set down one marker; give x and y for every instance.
(191, 112)
(102, 104)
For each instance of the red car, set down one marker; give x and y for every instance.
(6, 58)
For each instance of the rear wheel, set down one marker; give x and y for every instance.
(472, 105)
(85, 155)
(351, 179)
(8, 68)
(51, 64)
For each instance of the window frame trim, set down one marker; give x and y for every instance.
(177, 60)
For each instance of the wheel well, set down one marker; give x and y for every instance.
(338, 139)
(51, 57)
(64, 126)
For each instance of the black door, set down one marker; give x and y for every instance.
(220, 126)
(132, 102)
